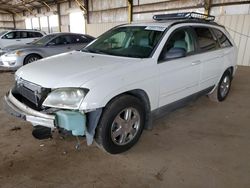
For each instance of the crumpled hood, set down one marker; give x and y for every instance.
(71, 69)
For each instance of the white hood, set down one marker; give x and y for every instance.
(71, 69)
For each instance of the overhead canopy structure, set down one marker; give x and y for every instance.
(18, 6)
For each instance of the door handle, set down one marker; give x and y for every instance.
(195, 63)
(18, 40)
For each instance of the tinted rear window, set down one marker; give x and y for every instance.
(34, 34)
(205, 39)
(223, 40)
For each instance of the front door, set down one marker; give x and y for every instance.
(179, 68)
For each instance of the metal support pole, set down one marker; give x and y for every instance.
(207, 6)
(130, 11)
(14, 20)
(59, 16)
(48, 24)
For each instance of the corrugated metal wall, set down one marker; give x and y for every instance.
(236, 19)
(239, 28)
(97, 29)
(6, 21)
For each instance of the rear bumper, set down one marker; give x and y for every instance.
(20, 110)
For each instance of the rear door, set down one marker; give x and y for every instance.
(210, 55)
(179, 77)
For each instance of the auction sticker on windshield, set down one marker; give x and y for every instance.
(155, 28)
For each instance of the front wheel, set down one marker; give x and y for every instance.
(31, 58)
(121, 124)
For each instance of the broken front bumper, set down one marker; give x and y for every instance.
(20, 110)
(67, 120)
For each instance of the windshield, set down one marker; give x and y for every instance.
(3, 32)
(131, 41)
(44, 40)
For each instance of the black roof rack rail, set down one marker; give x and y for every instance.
(184, 15)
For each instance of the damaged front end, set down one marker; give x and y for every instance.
(46, 111)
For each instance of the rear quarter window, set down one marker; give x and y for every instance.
(222, 38)
(34, 34)
(205, 39)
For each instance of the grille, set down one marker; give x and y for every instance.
(30, 94)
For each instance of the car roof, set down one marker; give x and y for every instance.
(65, 33)
(25, 30)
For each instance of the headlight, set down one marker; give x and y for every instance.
(66, 98)
(14, 53)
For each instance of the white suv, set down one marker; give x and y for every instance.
(111, 90)
(13, 37)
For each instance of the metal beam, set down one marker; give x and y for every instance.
(81, 6)
(230, 3)
(5, 10)
(14, 20)
(168, 9)
(130, 11)
(59, 16)
(86, 5)
(48, 7)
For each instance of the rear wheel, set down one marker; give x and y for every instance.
(223, 88)
(31, 58)
(121, 124)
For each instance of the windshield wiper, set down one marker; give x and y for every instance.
(93, 51)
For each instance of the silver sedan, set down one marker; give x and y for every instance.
(13, 57)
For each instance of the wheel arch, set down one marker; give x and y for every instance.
(34, 53)
(230, 70)
(143, 96)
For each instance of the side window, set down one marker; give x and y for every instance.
(179, 44)
(69, 39)
(37, 34)
(59, 40)
(81, 39)
(24, 34)
(10, 35)
(34, 34)
(205, 39)
(223, 40)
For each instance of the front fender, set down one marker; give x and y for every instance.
(108, 88)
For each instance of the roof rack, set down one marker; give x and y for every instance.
(184, 15)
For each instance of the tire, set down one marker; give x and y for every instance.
(31, 58)
(223, 88)
(121, 124)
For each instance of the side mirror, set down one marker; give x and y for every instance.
(175, 53)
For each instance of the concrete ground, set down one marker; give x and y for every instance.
(204, 145)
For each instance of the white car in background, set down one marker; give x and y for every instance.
(112, 89)
(13, 37)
